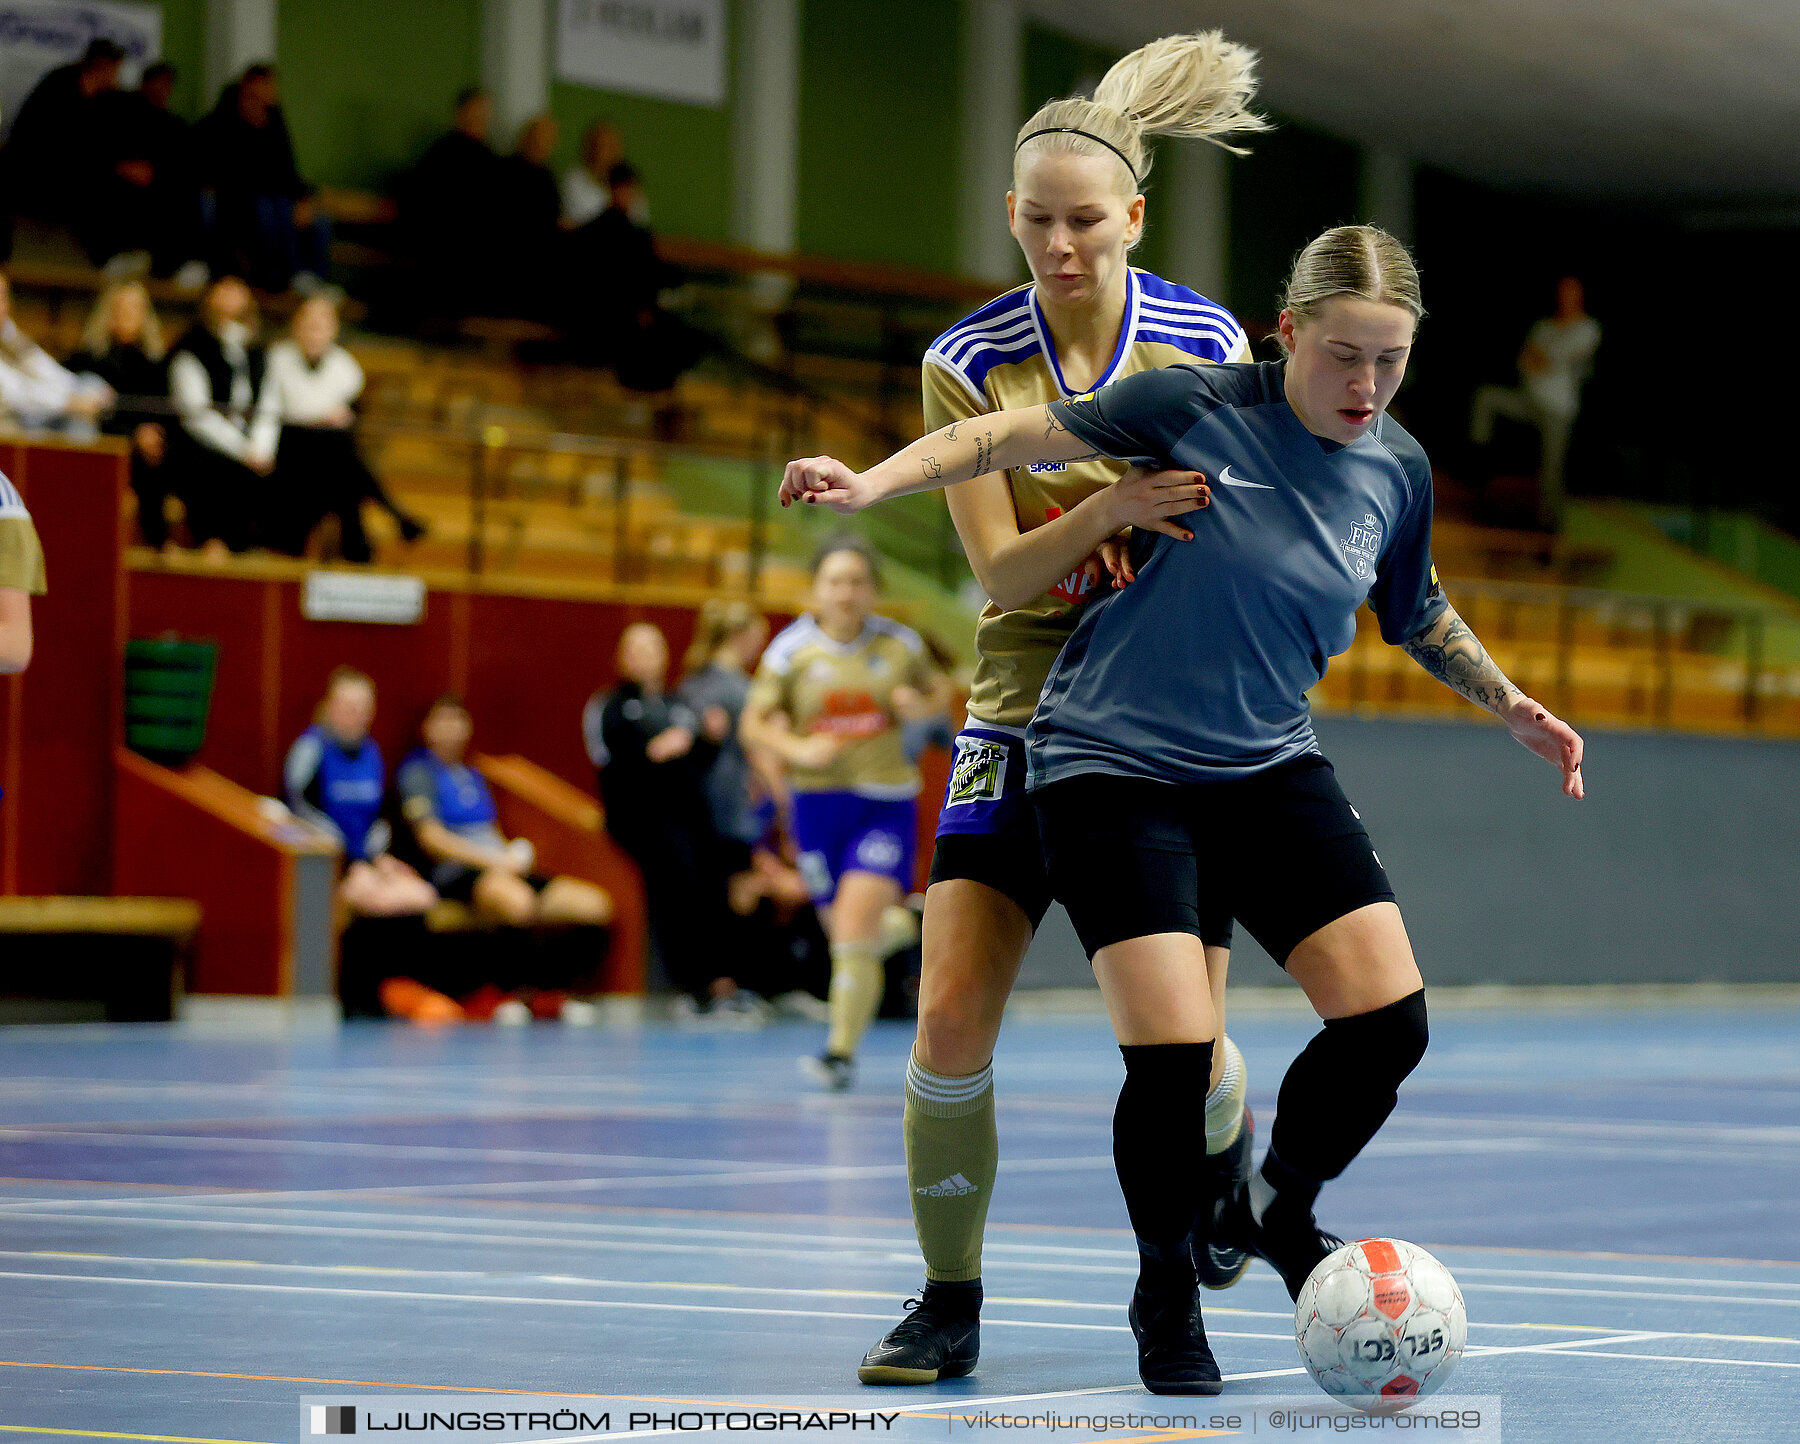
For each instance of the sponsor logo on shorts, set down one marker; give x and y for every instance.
(879, 852)
(979, 773)
(955, 1186)
(1039, 468)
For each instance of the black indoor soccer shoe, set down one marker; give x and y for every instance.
(940, 1338)
(1219, 1264)
(1173, 1355)
(1288, 1239)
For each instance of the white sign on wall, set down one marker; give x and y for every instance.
(672, 49)
(362, 597)
(36, 36)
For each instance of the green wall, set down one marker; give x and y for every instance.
(879, 130)
(184, 47)
(367, 84)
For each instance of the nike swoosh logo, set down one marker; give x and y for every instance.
(1227, 479)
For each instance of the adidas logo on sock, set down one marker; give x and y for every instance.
(955, 1186)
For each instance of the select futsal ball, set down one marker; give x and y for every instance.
(1380, 1323)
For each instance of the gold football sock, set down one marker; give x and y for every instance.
(1225, 1104)
(857, 981)
(952, 1154)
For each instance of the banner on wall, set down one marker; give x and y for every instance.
(38, 35)
(672, 49)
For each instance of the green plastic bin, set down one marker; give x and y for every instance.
(168, 694)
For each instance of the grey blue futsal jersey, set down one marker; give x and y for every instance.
(1198, 670)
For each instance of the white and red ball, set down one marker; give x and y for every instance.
(1380, 1323)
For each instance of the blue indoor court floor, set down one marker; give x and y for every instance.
(199, 1226)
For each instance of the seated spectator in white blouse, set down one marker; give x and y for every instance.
(312, 387)
(223, 453)
(36, 394)
(585, 191)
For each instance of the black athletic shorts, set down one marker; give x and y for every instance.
(988, 832)
(1281, 851)
(459, 886)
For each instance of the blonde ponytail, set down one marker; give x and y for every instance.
(1196, 86)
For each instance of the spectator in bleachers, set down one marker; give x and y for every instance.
(616, 281)
(729, 636)
(37, 394)
(1555, 361)
(585, 192)
(147, 209)
(652, 752)
(529, 218)
(52, 155)
(122, 345)
(449, 207)
(265, 222)
(452, 814)
(335, 778)
(223, 447)
(312, 385)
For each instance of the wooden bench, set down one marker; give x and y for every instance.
(68, 959)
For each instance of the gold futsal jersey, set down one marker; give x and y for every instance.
(1002, 357)
(21, 555)
(846, 689)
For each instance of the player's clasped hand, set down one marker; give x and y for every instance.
(823, 481)
(1552, 739)
(1151, 500)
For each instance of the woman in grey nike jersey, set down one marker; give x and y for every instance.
(1175, 771)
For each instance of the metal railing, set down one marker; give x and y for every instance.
(1674, 648)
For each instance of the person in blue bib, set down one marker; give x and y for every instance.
(1174, 768)
(336, 779)
(457, 827)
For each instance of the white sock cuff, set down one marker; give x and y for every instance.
(942, 1089)
(1230, 1076)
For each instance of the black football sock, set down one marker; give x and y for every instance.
(1336, 1096)
(1162, 1169)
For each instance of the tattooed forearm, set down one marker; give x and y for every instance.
(929, 465)
(949, 432)
(1454, 655)
(1051, 424)
(984, 454)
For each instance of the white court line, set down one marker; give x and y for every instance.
(1694, 1359)
(1617, 1128)
(794, 1173)
(1486, 1350)
(1466, 1269)
(576, 1229)
(348, 1148)
(422, 1295)
(894, 1252)
(680, 1285)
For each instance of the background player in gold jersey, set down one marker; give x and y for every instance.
(828, 699)
(1088, 318)
(21, 578)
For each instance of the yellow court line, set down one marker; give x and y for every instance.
(104, 1434)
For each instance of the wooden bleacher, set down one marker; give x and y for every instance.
(553, 477)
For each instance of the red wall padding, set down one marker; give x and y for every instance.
(61, 719)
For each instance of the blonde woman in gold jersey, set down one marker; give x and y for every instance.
(1032, 534)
